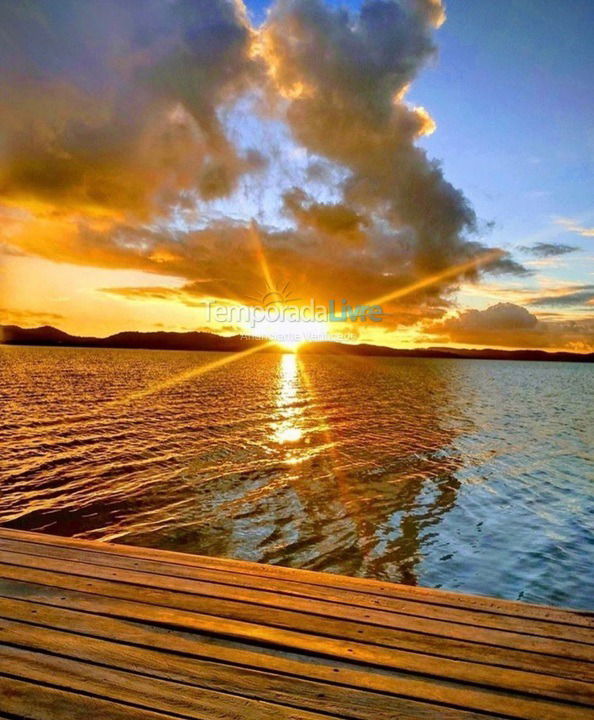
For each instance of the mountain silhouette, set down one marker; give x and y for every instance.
(47, 336)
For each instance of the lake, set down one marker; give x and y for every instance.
(470, 475)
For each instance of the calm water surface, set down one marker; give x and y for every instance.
(469, 475)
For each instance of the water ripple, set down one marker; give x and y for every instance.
(475, 476)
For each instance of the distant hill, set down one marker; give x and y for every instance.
(49, 336)
(456, 353)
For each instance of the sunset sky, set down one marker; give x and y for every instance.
(162, 154)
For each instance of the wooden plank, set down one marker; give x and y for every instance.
(108, 598)
(421, 617)
(518, 641)
(261, 685)
(131, 633)
(151, 693)
(392, 689)
(36, 702)
(241, 609)
(373, 587)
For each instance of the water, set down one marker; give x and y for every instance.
(475, 476)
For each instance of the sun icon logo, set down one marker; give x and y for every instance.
(272, 297)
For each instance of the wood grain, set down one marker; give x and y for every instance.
(453, 623)
(331, 673)
(180, 610)
(130, 633)
(373, 587)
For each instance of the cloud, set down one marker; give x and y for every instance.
(111, 107)
(510, 325)
(10, 251)
(334, 219)
(27, 317)
(317, 266)
(344, 79)
(503, 316)
(183, 295)
(575, 227)
(575, 295)
(224, 260)
(547, 250)
(116, 148)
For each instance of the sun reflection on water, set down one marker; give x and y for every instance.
(289, 435)
(428, 472)
(289, 428)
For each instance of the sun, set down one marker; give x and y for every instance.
(290, 334)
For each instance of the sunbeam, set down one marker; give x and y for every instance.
(480, 261)
(189, 375)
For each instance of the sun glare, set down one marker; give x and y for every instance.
(290, 334)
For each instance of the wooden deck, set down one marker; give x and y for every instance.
(91, 630)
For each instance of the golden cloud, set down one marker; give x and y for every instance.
(113, 126)
(112, 107)
(510, 325)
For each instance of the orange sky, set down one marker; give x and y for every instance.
(143, 176)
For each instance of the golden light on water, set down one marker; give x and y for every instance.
(289, 435)
(289, 429)
(289, 334)
(189, 374)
